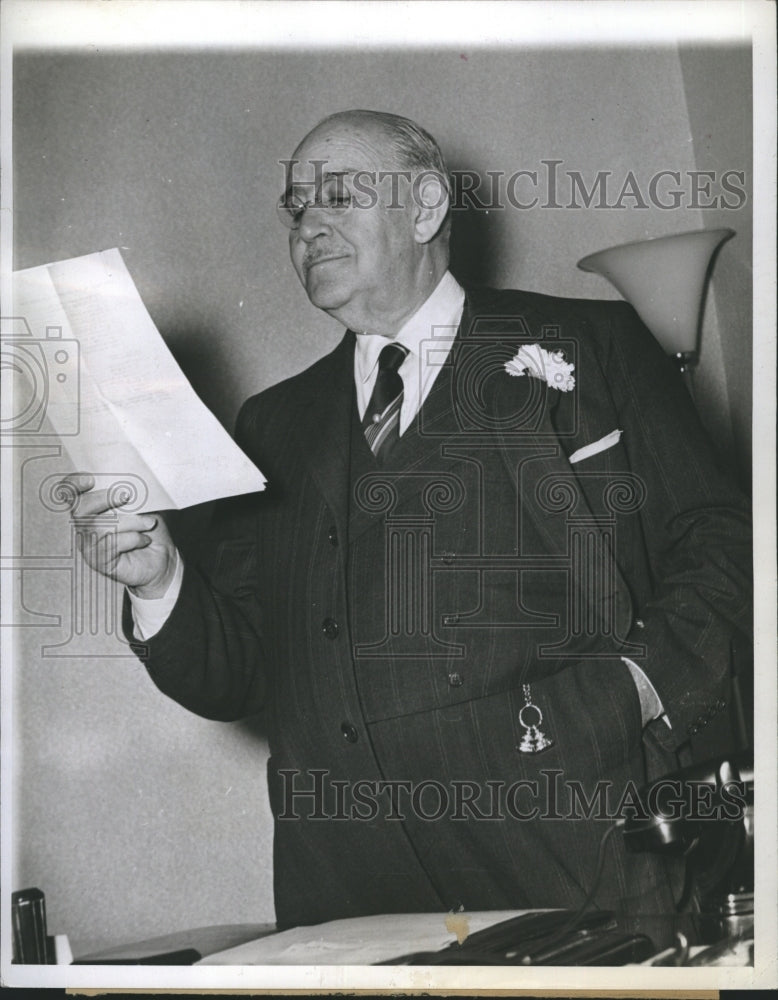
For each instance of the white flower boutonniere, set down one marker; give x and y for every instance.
(549, 365)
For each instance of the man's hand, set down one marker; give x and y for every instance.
(135, 549)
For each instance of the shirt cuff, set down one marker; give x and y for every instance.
(150, 614)
(651, 706)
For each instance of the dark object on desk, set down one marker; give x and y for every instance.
(543, 939)
(507, 934)
(715, 832)
(582, 947)
(31, 943)
(182, 948)
(676, 813)
(608, 947)
(186, 956)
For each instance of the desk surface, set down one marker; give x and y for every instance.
(362, 941)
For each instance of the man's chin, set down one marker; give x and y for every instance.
(325, 294)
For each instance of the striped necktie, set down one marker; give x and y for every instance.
(381, 422)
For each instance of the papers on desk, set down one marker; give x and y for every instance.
(112, 391)
(360, 941)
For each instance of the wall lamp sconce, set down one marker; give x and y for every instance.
(665, 279)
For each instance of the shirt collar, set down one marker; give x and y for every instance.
(442, 309)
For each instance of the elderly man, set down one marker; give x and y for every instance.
(492, 580)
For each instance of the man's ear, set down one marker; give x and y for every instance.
(430, 204)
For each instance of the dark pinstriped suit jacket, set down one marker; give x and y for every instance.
(389, 618)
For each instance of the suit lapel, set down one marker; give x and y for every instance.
(474, 400)
(323, 422)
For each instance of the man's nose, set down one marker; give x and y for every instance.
(313, 223)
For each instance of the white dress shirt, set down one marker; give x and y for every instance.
(428, 335)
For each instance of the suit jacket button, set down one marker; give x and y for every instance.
(330, 628)
(692, 730)
(332, 535)
(350, 734)
(639, 623)
(455, 680)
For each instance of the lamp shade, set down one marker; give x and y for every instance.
(664, 279)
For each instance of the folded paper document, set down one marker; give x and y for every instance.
(112, 392)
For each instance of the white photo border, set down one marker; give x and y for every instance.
(157, 25)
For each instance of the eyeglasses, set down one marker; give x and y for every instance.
(332, 198)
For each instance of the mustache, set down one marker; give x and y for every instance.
(314, 254)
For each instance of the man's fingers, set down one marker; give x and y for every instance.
(85, 501)
(135, 549)
(95, 502)
(102, 551)
(126, 541)
(80, 481)
(124, 522)
(128, 536)
(73, 485)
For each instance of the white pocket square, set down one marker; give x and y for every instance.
(595, 447)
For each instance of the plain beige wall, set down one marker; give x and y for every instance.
(135, 817)
(722, 133)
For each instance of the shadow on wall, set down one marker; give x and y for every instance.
(478, 239)
(199, 350)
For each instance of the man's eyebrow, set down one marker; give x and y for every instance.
(324, 176)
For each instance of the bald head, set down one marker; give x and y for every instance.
(407, 145)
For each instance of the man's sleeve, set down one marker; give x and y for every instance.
(208, 653)
(696, 530)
